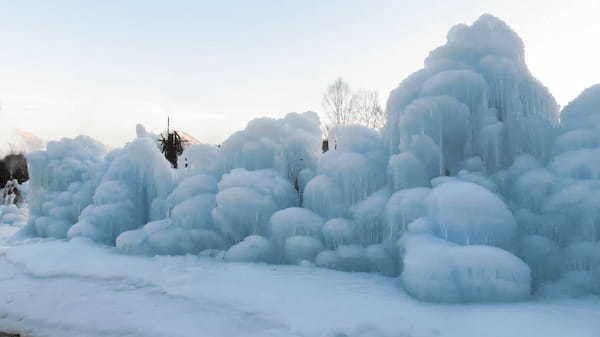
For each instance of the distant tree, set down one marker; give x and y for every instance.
(368, 112)
(337, 102)
(343, 107)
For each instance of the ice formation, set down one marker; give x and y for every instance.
(476, 191)
(247, 200)
(441, 271)
(62, 182)
(348, 173)
(475, 97)
(132, 192)
(287, 145)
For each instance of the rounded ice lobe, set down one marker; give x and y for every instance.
(345, 258)
(468, 214)
(323, 197)
(131, 193)
(487, 36)
(337, 232)
(584, 111)
(287, 145)
(247, 199)
(294, 221)
(406, 171)
(543, 256)
(163, 237)
(300, 248)
(401, 209)
(436, 270)
(254, 248)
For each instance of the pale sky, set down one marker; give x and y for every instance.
(100, 67)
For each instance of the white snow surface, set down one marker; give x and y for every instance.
(53, 287)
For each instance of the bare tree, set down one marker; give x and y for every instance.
(337, 102)
(368, 112)
(343, 107)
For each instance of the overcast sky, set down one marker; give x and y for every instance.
(100, 67)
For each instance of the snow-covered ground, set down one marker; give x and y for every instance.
(78, 288)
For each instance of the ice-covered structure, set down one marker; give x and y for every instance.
(132, 192)
(474, 98)
(288, 145)
(556, 205)
(247, 199)
(476, 191)
(347, 173)
(441, 271)
(188, 226)
(63, 179)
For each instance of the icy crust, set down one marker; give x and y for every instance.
(441, 271)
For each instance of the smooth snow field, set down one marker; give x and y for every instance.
(78, 288)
